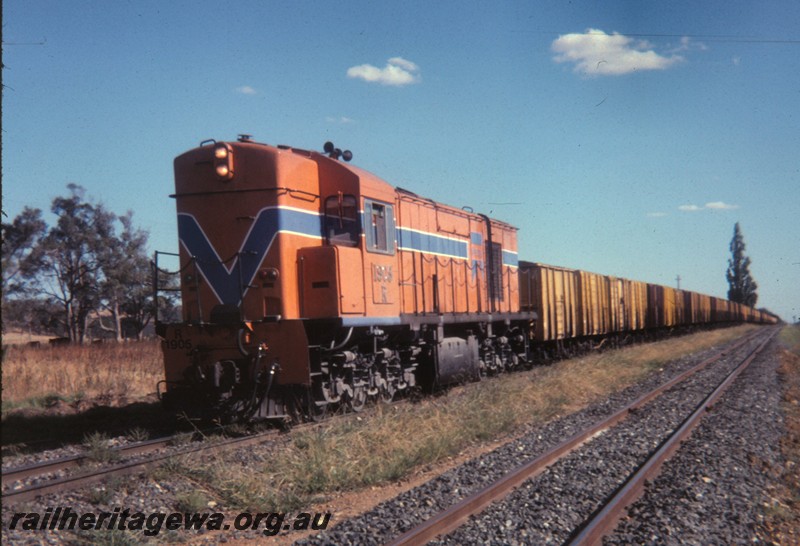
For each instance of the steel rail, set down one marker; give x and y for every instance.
(454, 516)
(65, 463)
(11, 475)
(605, 519)
(73, 482)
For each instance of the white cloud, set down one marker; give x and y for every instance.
(714, 205)
(719, 205)
(404, 64)
(340, 119)
(246, 90)
(398, 71)
(596, 53)
(687, 44)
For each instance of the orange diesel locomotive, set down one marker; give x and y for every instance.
(307, 282)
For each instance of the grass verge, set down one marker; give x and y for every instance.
(782, 515)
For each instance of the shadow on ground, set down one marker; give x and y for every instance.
(61, 424)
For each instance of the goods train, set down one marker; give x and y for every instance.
(307, 283)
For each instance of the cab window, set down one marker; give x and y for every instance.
(341, 220)
(379, 227)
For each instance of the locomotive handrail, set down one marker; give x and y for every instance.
(156, 286)
(165, 271)
(290, 191)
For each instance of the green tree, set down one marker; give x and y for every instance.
(68, 260)
(78, 266)
(92, 274)
(19, 239)
(741, 286)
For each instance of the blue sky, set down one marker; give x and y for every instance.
(625, 138)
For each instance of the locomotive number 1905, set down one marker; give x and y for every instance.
(177, 341)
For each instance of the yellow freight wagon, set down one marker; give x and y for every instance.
(552, 293)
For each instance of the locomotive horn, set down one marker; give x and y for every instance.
(347, 155)
(328, 147)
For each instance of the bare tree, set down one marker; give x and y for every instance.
(126, 286)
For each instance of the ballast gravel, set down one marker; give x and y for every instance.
(547, 509)
(712, 491)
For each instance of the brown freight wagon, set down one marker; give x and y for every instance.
(691, 305)
(661, 310)
(680, 306)
(720, 310)
(616, 306)
(703, 309)
(634, 304)
(552, 293)
(593, 303)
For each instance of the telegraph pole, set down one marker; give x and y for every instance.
(678, 278)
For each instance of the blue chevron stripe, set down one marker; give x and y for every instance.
(229, 282)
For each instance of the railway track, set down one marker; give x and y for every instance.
(45, 471)
(575, 463)
(27, 435)
(63, 474)
(605, 517)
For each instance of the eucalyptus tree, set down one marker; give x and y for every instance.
(94, 276)
(19, 238)
(68, 261)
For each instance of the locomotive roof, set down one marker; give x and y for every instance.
(366, 176)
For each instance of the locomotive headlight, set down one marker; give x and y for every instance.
(223, 161)
(270, 274)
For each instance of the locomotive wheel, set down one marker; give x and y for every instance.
(386, 394)
(318, 413)
(312, 409)
(358, 399)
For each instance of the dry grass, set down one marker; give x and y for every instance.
(782, 517)
(392, 442)
(32, 374)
